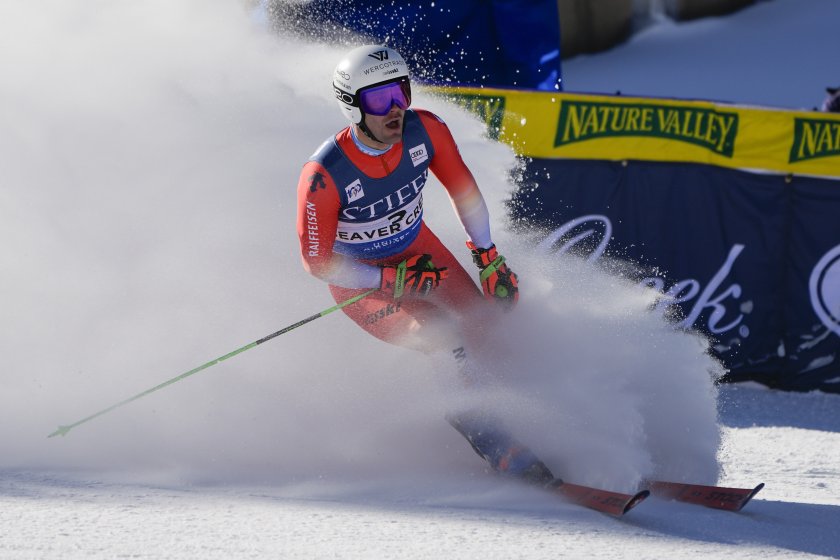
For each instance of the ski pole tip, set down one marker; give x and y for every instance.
(61, 431)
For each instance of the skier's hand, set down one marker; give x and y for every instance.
(497, 280)
(415, 275)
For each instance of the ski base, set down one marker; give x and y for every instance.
(718, 497)
(605, 501)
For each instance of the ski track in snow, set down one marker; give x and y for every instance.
(99, 515)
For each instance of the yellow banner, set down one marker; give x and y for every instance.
(582, 126)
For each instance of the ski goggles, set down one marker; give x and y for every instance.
(378, 100)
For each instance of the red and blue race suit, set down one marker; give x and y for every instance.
(357, 212)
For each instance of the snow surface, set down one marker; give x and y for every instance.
(775, 53)
(149, 158)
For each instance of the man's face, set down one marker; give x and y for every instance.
(387, 128)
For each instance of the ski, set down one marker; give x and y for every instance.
(718, 497)
(605, 501)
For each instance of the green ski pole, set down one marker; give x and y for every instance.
(62, 430)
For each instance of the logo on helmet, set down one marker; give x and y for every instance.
(343, 96)
(379, 55)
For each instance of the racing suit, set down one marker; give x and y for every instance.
(357, 212)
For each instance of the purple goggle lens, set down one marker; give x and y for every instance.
(378, 100)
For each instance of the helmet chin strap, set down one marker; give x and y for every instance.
(364, 128)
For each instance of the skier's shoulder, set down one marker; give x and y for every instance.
(437, 130)
(329, 151)
(429, 119)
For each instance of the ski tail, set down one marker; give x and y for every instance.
(718, 497)
(605, 501)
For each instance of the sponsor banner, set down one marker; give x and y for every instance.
(812, 287)
(752, 260)
(580, 126)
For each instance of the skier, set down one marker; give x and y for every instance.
(360, 226)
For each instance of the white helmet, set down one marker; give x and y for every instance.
(362, 68)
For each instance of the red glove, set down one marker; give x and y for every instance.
(497, 280)
(416, 275)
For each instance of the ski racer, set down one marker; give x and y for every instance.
(360, 225)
